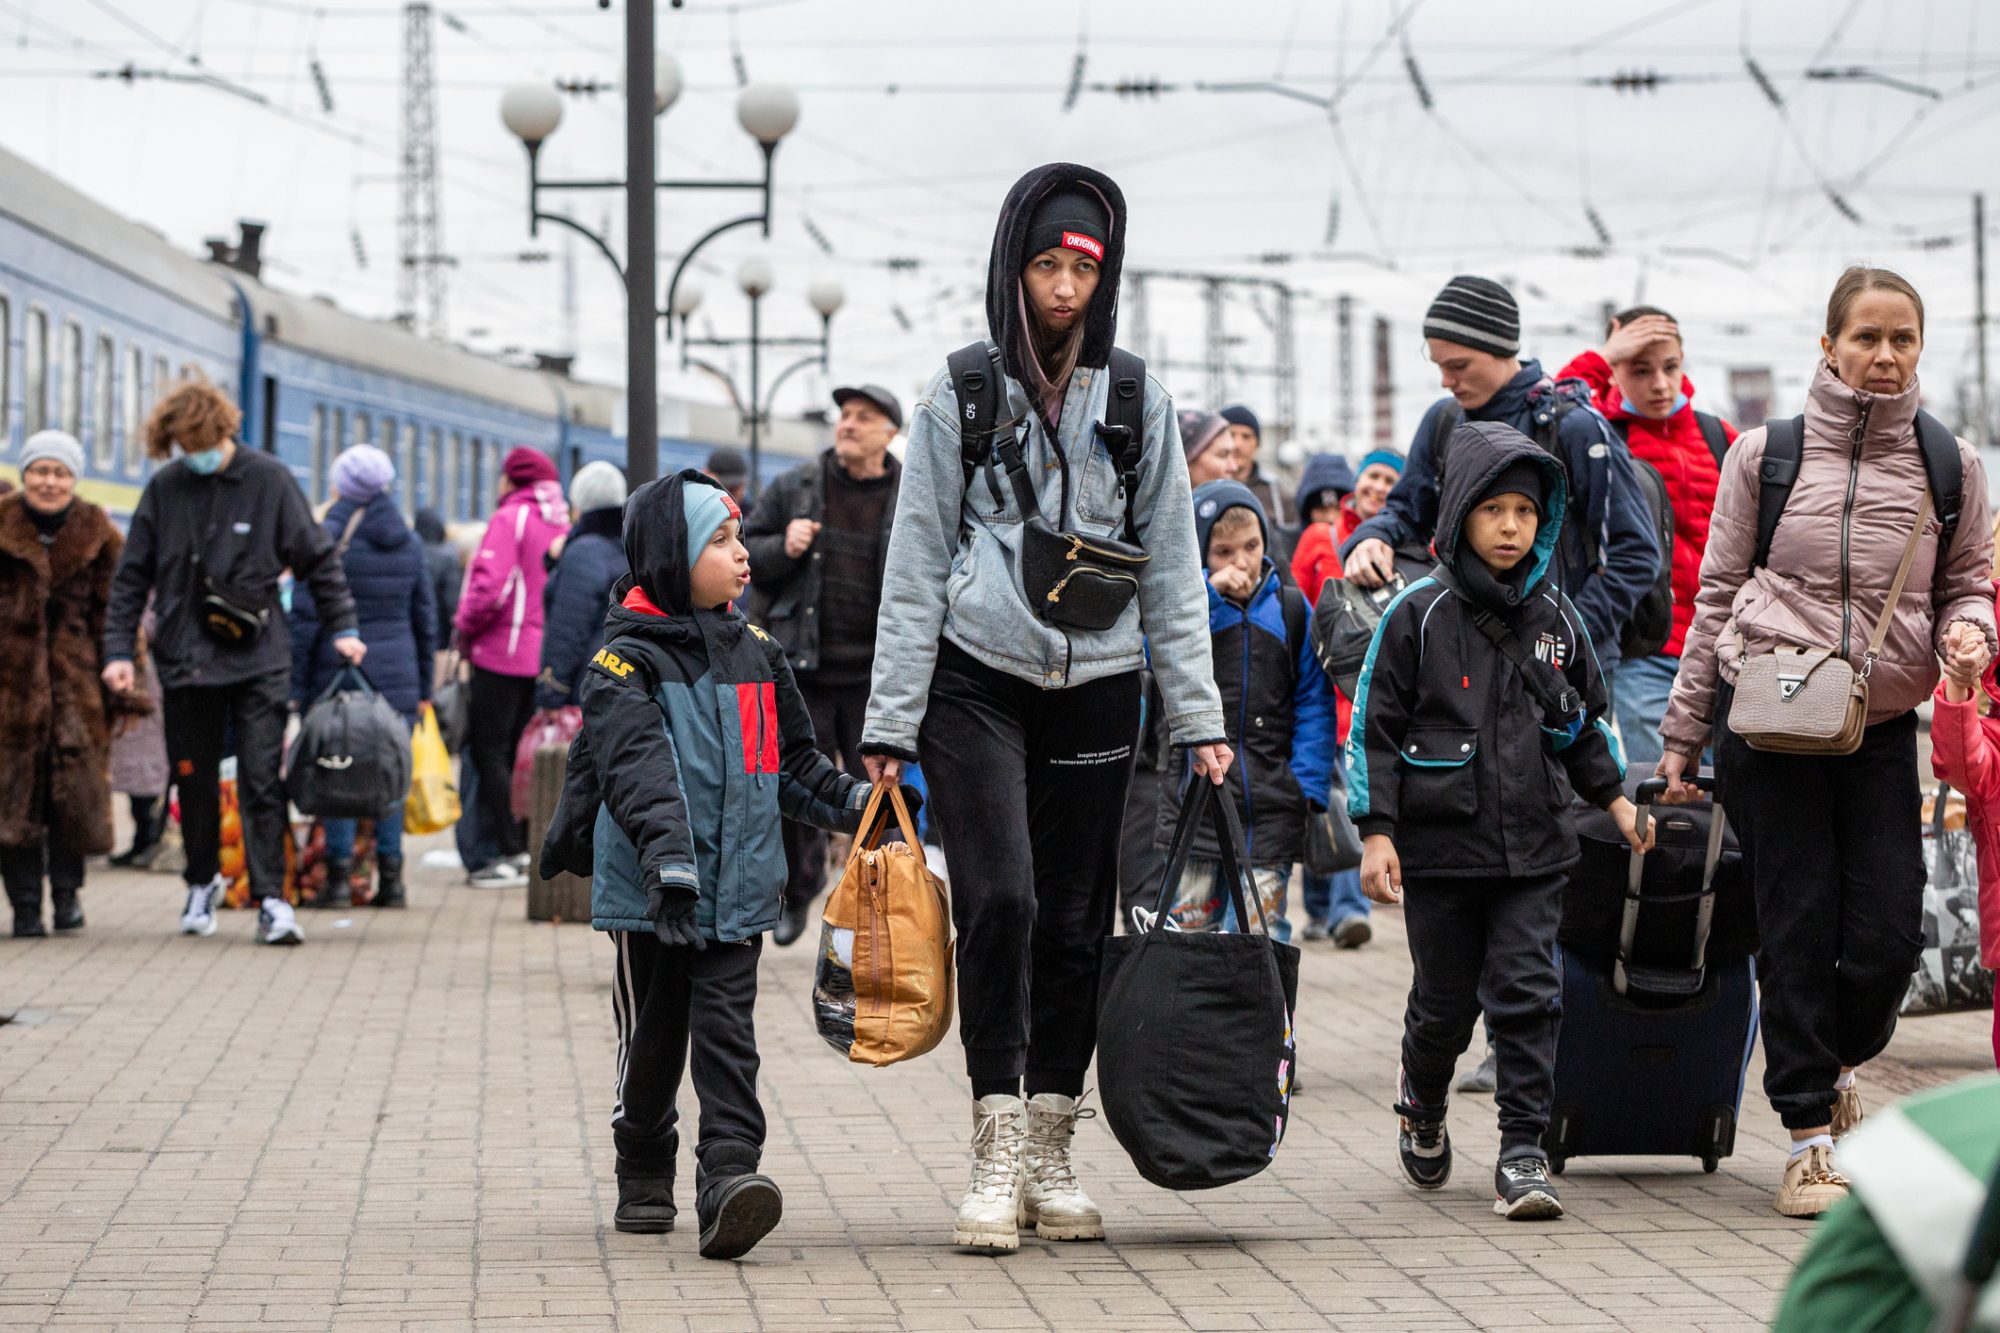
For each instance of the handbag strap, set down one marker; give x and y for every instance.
(347, 533)
(1200, 801)
(1881, 633)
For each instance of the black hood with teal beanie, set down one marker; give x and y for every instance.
(659, 547)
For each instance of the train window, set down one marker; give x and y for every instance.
(475, 454)
(316, 482)
(135, 375)
(336, 440)
(72, 378)
(385, 440)
(406, 459)
(6, 369)
(102, 367)
(35, 415)
(361, 428)
(434, 475)
(454, 506)
(161, 382)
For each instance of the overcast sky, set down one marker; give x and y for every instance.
(918, 114)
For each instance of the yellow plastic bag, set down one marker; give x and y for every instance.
(432, 805)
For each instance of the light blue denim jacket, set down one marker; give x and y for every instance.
(953, 565)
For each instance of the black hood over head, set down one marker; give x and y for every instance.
(656, 541)
(1478, 452)
(1011, 252)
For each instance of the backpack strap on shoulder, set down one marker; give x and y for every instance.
(1784, 443)
(1449, 414)
(1298, 617)
(1123, 427)
(1945, 471)
(1713, 435)
(975, 378)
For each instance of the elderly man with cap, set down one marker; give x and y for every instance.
(1248, 435)
(818, 540)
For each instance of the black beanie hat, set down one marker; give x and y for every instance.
(1523, 476)
(1478, 313)
(1073, 218)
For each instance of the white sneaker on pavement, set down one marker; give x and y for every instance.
(499, 875)
(198, 917)
(1050, 1197)
(276, 923)
(989, 1216)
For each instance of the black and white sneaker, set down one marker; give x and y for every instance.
(277, 923)
(1523, 1192)
(1424, 1147)
(198, 917)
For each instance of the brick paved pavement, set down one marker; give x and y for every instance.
(402, 1126)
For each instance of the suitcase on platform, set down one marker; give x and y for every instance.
(1655, 1041)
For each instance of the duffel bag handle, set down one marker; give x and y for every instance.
(1198, 801)
(340, 677)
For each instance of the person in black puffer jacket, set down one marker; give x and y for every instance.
(590, 561)
(385, 568)
(441, 559)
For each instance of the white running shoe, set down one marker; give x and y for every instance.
(1050, 1197)
(276, 923)
(989, 1217)
(198, 917)
(499, 875)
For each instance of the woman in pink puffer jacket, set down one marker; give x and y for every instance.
(1833, 844)
(499, 624)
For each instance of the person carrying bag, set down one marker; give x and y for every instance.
(1195, 1039)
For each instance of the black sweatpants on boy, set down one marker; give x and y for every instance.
(1028, 788)
(1834, 848)
(1484, 945)
(668, 1000)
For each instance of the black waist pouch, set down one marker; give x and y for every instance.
(1078, 582)
(232, 616)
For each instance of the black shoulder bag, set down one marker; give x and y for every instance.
(230, 613)
(1073, 580)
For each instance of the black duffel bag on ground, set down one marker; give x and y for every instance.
(1195, 1046)
(351, 758)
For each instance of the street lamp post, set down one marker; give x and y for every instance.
(754, 277)
(532, 112)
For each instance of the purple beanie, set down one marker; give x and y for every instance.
(362, 473)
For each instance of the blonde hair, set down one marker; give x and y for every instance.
(195, 415)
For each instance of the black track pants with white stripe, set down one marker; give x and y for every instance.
(667, 1000)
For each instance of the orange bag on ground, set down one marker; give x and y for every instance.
(882, 985)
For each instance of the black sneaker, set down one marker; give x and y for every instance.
(1523, 1192)
(1424, 1146)
(645, 1205)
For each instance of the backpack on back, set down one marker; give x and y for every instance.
(1784, 446)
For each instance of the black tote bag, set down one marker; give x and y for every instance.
(1195, 1043)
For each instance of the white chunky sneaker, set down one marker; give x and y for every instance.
(988, 1219)
(1050, 1196)
(276, 923)
(198, 917)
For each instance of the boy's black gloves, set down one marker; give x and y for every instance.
(673, 918)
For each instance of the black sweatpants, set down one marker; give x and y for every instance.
(501, 709)
(253, 712)
(1834, 848)
(668, 1000)
(837, 712)
(1484, 945)
(1028, 788)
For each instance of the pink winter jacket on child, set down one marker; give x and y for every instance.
(1965, 751)
(499, 619)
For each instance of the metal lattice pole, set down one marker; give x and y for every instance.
(1287, 371)
(1343, 367)
(420, 276)
(1215, 351)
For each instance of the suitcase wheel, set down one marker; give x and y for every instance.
(1709, 1162)
(1557, 1162)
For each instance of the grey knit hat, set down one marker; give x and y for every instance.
(58, 445)
(598, 485)
(1478, 313)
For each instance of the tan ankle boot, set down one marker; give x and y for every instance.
(1811, 1185)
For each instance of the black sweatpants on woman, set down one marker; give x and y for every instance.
(1028, 788)
(670, 1000)
(501, 708)
(1834, 848)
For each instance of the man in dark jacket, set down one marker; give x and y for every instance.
(441, 559)
(1280, 518)
(212, 532)
(818, 540)
(578, 592)
(1478, 712)
(1609, 559)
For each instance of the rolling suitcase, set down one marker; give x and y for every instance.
(1651, 1056)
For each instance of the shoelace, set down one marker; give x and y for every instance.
(992, 1166)
(1820, 1170)
(1525, 1169)
(1426, 1135)
(1060, 1173)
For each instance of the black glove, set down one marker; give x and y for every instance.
(674, 922)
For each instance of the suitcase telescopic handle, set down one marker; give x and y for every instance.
(1652, 789)
(1628, 926)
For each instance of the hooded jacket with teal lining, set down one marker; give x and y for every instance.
(1447, 752)
(695, 742)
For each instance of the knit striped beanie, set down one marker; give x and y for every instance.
(1475, 312)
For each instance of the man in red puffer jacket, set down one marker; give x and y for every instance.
(1636, 382)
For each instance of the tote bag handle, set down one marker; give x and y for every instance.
(1199, 801)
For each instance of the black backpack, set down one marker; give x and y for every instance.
(1784, 445)
(977, 379)
(1651, 623)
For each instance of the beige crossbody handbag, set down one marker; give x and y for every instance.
(1811, 700)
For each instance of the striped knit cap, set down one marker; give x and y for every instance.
(1475, 312)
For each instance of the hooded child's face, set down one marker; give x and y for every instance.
(1501, 530)
(722, 571)
(1060, 283)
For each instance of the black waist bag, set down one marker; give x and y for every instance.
(351, 758)
(1195, 1044)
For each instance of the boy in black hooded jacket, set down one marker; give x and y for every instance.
(1477, 714)
(694, 741)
